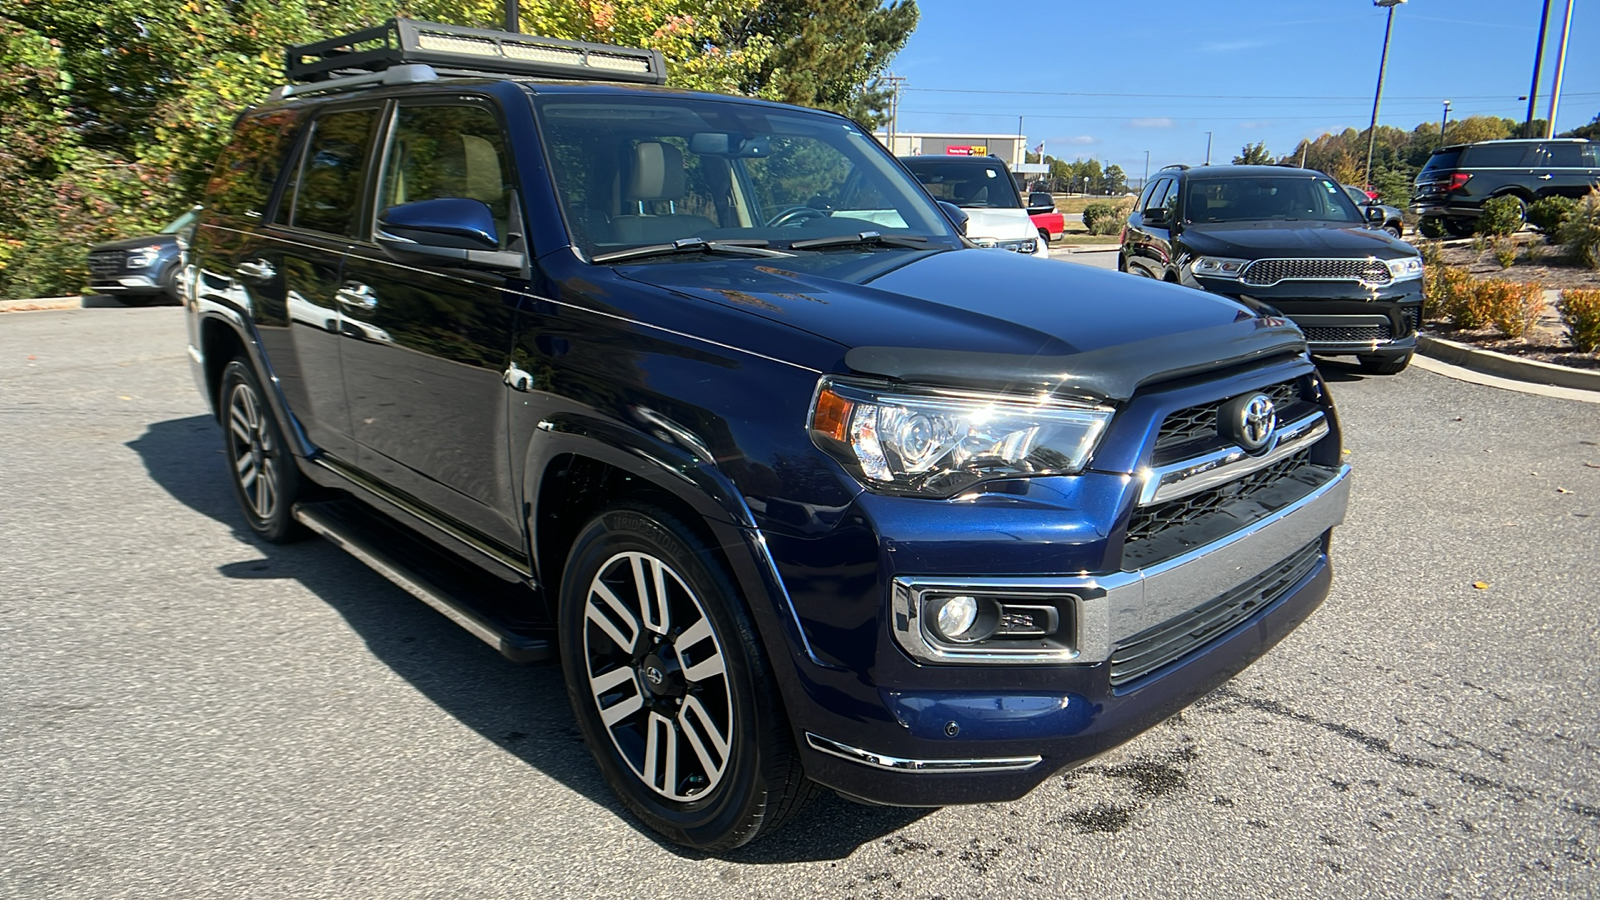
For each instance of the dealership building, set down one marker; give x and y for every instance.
(1009, 148)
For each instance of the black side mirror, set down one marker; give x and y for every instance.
(446, 230)
(957, 215)
(1374, 214)
(1156, 216)
(1040, 202)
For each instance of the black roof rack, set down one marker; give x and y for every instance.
(454, 50)
(1174, 166)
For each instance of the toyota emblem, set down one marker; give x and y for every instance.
(654, 675)
(1257, 419)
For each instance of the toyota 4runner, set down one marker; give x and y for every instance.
(705, 397)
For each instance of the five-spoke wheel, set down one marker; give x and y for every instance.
(265, 478)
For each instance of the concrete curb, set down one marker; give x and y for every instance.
(41, 303)
(1505, 366)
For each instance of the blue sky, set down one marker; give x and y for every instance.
(1246, 70)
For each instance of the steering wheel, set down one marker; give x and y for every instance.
(794, 215)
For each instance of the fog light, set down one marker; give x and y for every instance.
(963, 619)
(956, 617)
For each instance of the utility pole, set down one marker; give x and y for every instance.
(1208, 148)
(894, 109)
(1538, 57)
(1561, 65)
(1146, 179)
(1443, 122)
(513, 17)
(1377, 98)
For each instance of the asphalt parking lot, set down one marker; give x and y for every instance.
(188, 713)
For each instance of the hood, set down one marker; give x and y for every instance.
(134, 243)
(1000, 224)
(1258, 240)
(985, 319)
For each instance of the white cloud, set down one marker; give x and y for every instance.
(1158, 122)
(1076, 139)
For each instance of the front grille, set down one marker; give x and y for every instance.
(1199, 423)
(105, 263)
(1348, 334)
(1170, 641)
(1265, 272)
(1413, 316)
(1150, 521)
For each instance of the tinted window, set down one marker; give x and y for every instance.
(447, 151)
(1144, 196)
(1497, 156)
(1158, 196)
(1269, 197)
(1591, 155)
(242, 182)
(1562, 156)
(980, 186)
(328, 194)
(1442, 159)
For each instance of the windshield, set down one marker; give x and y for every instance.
(986, 185)
(1288, 198)
(642, 170)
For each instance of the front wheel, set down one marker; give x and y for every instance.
(1393, 229)
(1460, 227)
(1384, 364)
(264, 474)
(669, 683)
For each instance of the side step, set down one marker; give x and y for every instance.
(323, 518)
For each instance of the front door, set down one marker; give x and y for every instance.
(426, 348)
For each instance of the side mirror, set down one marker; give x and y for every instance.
(1040, 202)
(957, 215)
(447, 230)
(1156, 216)
(1374, 214)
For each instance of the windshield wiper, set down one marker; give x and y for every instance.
(743, 247)
(865, 237)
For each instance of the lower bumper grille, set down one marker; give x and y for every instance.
(105, 264)
(1170, 641)
(1348, 334)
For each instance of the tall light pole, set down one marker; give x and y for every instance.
(1377, 98)
(1208, 148)
(1561, 65)
(1443, 122)
(1146, 179)
(1538, 57)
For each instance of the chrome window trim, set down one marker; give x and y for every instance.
(1114, 607)
(919, 766)
(1180, 479)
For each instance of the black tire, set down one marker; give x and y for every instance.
(1460, 227)
(669, 723)
(1384, 363)
(1044, 235)
(169, 285)
(1393, 229)
(265, 476)
(1431, 227)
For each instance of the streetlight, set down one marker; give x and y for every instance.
(1383, 61)
(1443, 122)
(1208, 148)
(1146, 179)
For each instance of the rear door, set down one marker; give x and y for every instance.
(426, 347)
(1566, 169)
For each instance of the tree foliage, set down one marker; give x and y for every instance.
(112, 111)
(1254, 155)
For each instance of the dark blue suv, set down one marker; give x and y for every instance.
(706, 397)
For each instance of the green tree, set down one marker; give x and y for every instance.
(1115, 181)
(1254, 155)
(1590, 131)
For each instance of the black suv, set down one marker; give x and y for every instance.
(1283, 239)
(706, 397)
(142, 270)
(1457, 180)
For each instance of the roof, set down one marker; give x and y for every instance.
(1204, 172)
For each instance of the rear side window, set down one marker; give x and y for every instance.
(1498, 156)
(241, 184)
(1442, 159)
(1562, 156)
(327, 188)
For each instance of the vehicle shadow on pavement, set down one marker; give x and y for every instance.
(523, 709)
(1340, 371)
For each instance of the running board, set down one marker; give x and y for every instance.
(513, 646)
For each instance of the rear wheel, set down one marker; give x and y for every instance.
(1384, 363)
(670, 686)
(264, 474)
(1460, 227)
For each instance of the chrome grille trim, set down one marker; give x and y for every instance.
(1267, 272)
(1194, 475)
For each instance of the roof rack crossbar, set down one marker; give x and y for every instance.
(414, 73)
(400, 42)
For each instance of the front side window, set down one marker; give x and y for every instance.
(242, 182)
(1285, 198)
(327, 192)
(648, 170)
(1158, 197)
(447, 151)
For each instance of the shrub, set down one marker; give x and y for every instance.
(1535, 252)
(1442, 289)
(1580, 313)
(1431, 252)
(1480, 245)
(1547, 213)
(1502, 216)
(1513, 307)
(1580, 233)
(1505, 252)
(1105, 218)
(1431, 227)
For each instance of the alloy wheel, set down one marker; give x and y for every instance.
(657, 675)
(253, 451)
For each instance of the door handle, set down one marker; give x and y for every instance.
(256, 270)
(358, 295)
(1545, 177)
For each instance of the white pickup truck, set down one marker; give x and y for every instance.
(984, 189)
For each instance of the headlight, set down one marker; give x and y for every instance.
(1026, 245)
(1406, 267)
(938, 443)
(144, 256)
(1219, 267)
